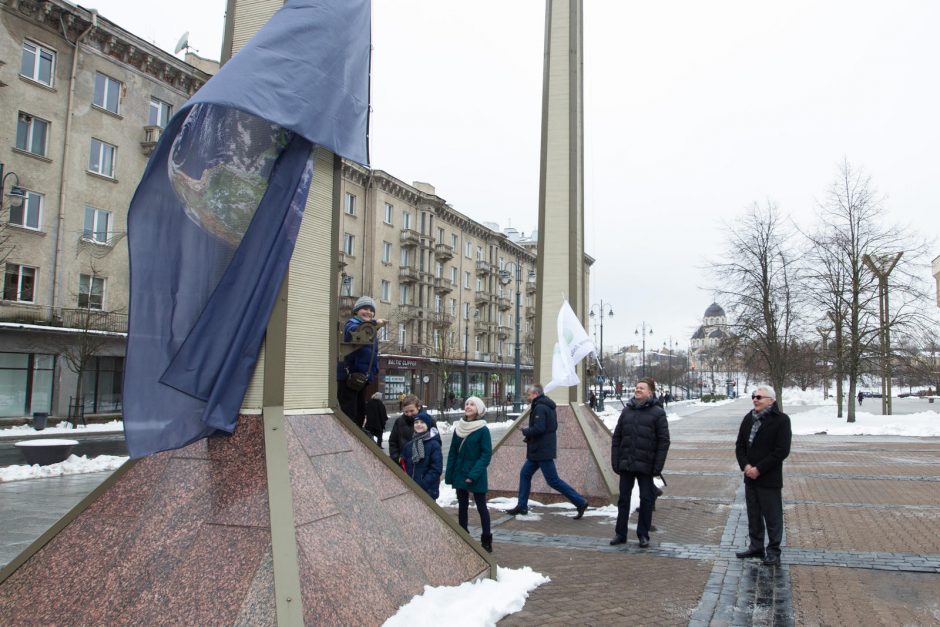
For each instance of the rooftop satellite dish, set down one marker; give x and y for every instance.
(183, 43)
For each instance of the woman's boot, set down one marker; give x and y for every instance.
(487, 541)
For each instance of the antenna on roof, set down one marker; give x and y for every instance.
(182, 44)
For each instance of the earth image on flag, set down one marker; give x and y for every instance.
(219, 166)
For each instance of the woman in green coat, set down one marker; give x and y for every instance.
(470, 452)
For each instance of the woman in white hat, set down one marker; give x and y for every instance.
(470, 450)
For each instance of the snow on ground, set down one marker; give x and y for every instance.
(483, 602)
(74, 465)
(115, 426)
(610, 416)
(823, 420)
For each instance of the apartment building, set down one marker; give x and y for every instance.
(82, 105)
(447, 284)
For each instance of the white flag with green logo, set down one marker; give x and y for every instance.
(573, 345)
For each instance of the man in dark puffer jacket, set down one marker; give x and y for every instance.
(638, 452)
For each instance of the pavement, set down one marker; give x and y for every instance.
(862, 544)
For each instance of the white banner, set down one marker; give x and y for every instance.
(572, 346)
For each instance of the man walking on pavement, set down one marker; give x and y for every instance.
(762, 445)
(541, 450)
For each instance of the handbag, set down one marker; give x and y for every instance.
(357, 381)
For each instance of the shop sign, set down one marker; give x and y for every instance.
(401, 363)
(391, 378)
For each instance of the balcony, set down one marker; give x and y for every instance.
(503, 331)
(409, 312)
(151, 137)
(443, 286)
(486, 326)
(410, 238)
(530, 287)
(530, 312)
(407, 275)
(484, 267)
(444, 252)
(80, 319)
(441, 319)
(341, 260)
(504, 302)
(482, 297)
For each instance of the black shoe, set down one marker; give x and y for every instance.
(618, 540)
(771, 560)
(644, 542)
(750, 553)
(516, 511)
(581, 509)
(653, 528)
(659, 492)
(486, 541)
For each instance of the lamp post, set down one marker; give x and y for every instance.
(466, 347)
(669, 347)
(504, 278)
(601, 307)
(644, 333)
(16, 194)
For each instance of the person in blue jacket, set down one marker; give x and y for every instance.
(364, 359)
(424, 460)
(470, 452)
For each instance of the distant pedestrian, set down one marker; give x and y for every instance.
(762, 445)
(376, 417)
(541, 449)
(424, 461)
(638, 453)
(861, 396)
(403, 428)
(592, 401)
(470, 450)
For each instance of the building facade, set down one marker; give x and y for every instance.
(447, 284)
(83, 103)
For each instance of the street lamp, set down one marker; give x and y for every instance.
(505, 278)
(466, 347)
(601, 307)
(644, 333)
(16, 194)
(669, 347)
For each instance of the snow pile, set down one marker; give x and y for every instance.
(824, 420)
(74, 465)
(472, 604)
(812, 396)
(64, 427)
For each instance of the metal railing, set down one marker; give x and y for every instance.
(82, 319)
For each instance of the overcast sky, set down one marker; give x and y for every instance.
(693, 111)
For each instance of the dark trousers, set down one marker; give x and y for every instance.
(764, 510)
(547, 466)
(647, 500)
(463, 507)
(352, 403)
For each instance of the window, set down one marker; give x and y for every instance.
(38, 63)
(349, 284)
(350, 205)
(453, 275)
(385, 290)
(405, 220)
(102, 384)
(28, 214)
(386, 252)
(440, 235)
(404, 257)
(438, 304)
(90, 291)
(466, 280)
(479, 284)
(19, 283)
(454, 242)
(31, 133)
(402, 294)
(159, 113)
(349, 244)
(453, 306)
(383, 334)
(107, 92)
(480, 253)
(389, 209)
(26, 380)
(97, 225)
(468, 249)
(101, 158)
(466, 311)
(402, 337)
(478, 342)
(438, 269)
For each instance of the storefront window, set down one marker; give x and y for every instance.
(102, 385)
(25, 383)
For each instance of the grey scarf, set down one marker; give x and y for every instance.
(417, 447)
(755, 426)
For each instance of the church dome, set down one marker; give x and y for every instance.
(714, 311)
(699, 334)
(717, 334)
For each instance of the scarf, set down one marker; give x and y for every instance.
(417, 447)
(755, 426)
(466, 427)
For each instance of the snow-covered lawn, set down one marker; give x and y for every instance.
(74, 465)
(824, 420)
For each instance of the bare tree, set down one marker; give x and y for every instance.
(755, 278)
(850, 227)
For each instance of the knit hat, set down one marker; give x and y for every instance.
(364, 301)
(478, 403)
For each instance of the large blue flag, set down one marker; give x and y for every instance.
(214, 220)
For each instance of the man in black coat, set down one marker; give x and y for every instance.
(637, 453)
(541, 450)
(762, 445)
